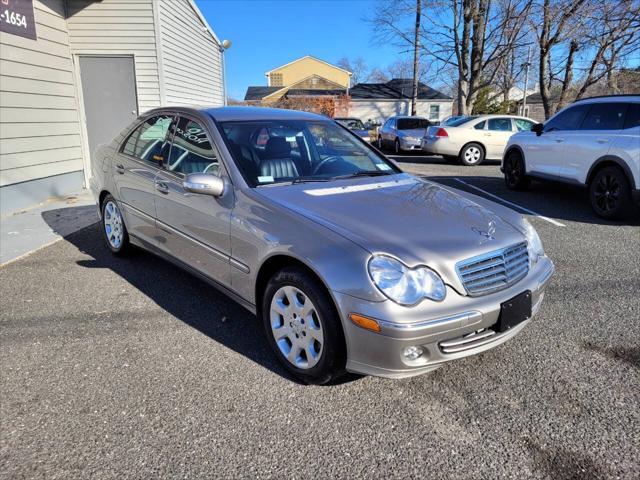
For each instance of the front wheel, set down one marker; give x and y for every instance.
(303, 327)
(113, 227)
(514, 172)
(472, 154)
(610, 194)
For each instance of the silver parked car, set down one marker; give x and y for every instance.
(350, 263)
(402, 133)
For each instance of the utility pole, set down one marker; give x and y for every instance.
(526, 81)
(416, 46)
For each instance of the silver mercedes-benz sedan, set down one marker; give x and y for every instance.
(350, 264)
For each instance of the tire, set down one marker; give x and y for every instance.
(314, 331)
(472, 154)
(610, 193)
(396, 147)
(515, 177)
(114, 231)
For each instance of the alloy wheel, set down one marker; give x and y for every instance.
(113, 224)
(512, 170)
(296, 327)
(607, 193)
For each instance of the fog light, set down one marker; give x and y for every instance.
(413, 353)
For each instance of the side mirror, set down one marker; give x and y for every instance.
(538, 128)
(204, 184)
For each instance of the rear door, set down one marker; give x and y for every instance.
(194, 228)
(602, 123)
(135, 168)
(497, 134)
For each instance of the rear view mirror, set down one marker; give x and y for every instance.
(204, 184)
(538, 128)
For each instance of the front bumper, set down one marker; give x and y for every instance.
(446, 331)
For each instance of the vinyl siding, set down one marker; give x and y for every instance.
(39, 120)
(191, 58)
(380, 110)
(119, 27)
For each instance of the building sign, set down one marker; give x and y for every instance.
(16, 17)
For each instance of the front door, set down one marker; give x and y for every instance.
(109, 97)
(194, 228)
(134, 170)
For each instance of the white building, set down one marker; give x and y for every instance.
(75, 72)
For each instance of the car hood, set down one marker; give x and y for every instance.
(414, 132)
(417, 221)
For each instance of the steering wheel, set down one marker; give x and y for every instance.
(327, 160)
(212, 166)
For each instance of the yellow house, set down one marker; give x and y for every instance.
(305, 68)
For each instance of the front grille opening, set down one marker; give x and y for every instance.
(467, 341)
(494, 271)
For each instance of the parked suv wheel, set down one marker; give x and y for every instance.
(610, 194)
(303, 327)
(472, 154)
(514, 171)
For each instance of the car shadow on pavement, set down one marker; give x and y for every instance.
(179, 293)
(553, 200)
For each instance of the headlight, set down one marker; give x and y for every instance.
(366, 139)
(534, 244)
(404, 285)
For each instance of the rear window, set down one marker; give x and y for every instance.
(412, 123)
(605, 116)
(461, 121)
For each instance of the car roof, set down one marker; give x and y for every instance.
(410, 116)
(610, 98)
(224, 114)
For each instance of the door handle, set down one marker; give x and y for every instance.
(162, 187)
(120, 168)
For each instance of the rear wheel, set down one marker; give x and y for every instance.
(303, 327)
(472, 154)
(514, 171)
(610, 193)
(113, 227)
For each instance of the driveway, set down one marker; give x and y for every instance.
(130, 367)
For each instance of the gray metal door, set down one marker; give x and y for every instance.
(109, 96)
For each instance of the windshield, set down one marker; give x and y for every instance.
(412, 123)
(461, 120)
(351, 123)
(275, 151)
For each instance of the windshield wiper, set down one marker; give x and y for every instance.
(365, 173)
(309, 180)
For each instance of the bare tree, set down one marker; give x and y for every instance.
(358, 68)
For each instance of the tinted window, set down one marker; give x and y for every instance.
(149, 141)
(351, 123)
(191, 151)
(412, 123)
(500, 124)
(480, 126)
(633, 116)
(605, 116)
(523, 125)
(569, 119)
(461, 120)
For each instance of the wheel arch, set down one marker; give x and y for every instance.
(480, 144)
(610, 161)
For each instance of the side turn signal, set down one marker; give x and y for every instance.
(365, 322)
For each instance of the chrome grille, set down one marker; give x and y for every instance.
(495, 270)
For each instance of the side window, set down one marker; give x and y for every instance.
(480, 126)
(191, 151)
(149, 141)
(633, 116)
(569, 119)
(523, 125)
(605, 116)
(500, 124)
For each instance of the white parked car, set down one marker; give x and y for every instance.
(594, 143)
(474, 138)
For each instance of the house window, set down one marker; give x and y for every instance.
(276, 79)
(434, 112)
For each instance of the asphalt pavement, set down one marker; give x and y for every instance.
(131, 368)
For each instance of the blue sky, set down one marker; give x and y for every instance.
(267, 33)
